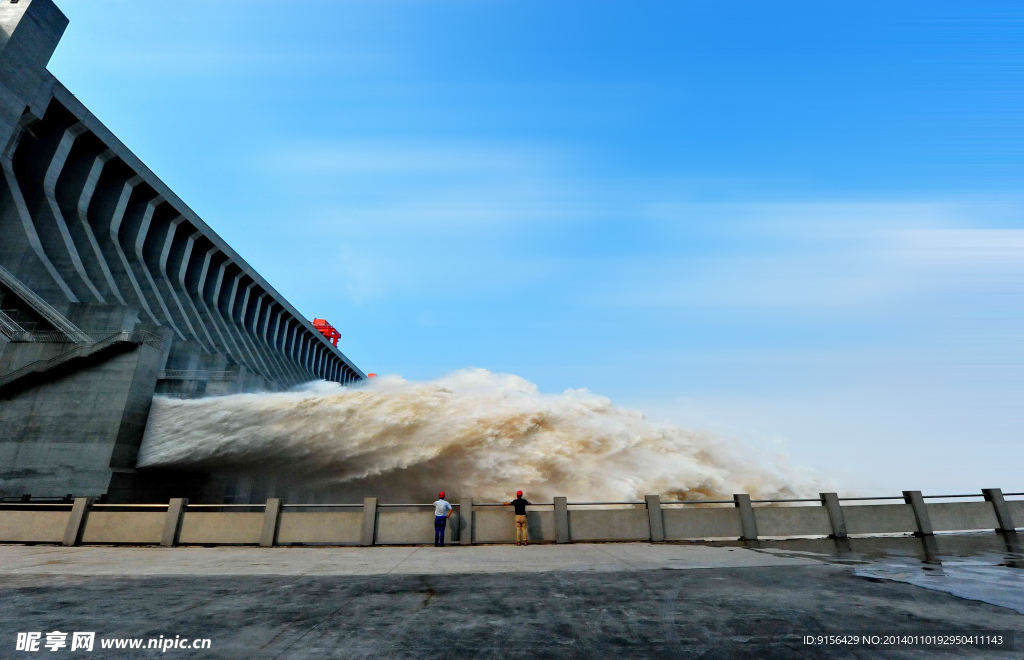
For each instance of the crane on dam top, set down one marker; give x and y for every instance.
(327, 330)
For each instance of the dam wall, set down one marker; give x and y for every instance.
(112, 290)
(373, 523)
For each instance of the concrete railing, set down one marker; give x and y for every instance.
(560, 521)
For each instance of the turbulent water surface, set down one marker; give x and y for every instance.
(473, 433)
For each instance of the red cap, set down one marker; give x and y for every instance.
(519, 493)
(441, 494)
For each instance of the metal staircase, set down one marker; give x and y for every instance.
(81, 355)
(8, 325)
(41, 307)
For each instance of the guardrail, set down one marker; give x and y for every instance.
(198, 374)
(372, 523)
(43, 308)
(49, 337)
(82, 350)
(8, 326)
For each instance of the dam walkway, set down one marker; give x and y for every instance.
(588, 600)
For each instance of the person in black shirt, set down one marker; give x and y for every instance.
(520, 506)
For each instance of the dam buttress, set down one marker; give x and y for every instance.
(113, 290)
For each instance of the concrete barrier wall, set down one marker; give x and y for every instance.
(880, 519)
(704, 523)
(33, 526)
(953, 516)
(200, 527)
(409, 526)
(320, 528)
(793, 521)
(491, 526)
(609, 525)
(142, 527)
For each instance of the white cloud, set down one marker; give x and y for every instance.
(983, 248)
(376, 158)
(817, 255)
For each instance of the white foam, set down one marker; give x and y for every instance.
(472, 432)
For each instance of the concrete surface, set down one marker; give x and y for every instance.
(706, 523)
(1016, 510)
(38, 526)
(795, 521)
(205, 527)
(880, 519)
(124, 527)
(609, 525)
(556, 601)
(962, 515)
(596, 557)
(498, 525)
(410, 527)
(320, 527)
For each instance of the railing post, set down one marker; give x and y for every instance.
(995, 496)
(466, 521)
(271, 520)
(172, 523)
(657, 524)
(561, 520)
(835, 514)
(747, 519)
(924, 521)
(76, 523)
(369, 521)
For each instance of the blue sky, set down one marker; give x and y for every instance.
(799, 224)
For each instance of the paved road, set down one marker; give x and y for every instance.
(579, 601)
(601, 557)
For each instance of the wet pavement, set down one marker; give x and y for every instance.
(983, 566)
(897, 597)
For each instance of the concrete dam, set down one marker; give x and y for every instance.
(112, 291)
(126, 323)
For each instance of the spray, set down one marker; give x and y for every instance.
(473, 432)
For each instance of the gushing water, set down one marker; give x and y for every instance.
(472, 433)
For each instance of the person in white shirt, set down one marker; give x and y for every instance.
(442, 511)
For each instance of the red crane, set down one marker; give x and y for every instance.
(327, 330)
